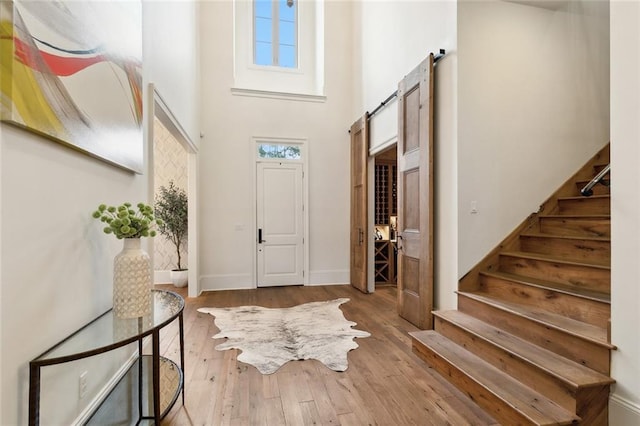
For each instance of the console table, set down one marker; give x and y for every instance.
(106, 333)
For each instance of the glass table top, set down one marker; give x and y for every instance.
(108, 332)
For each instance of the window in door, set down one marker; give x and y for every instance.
(282, 151)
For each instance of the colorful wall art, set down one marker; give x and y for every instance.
(72, 71)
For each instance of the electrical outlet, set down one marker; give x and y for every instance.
(82, 385)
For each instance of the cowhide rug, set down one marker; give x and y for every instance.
(269, 338)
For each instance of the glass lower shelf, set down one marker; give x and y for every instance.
(132, 404)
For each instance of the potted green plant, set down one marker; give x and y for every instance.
(171, 209)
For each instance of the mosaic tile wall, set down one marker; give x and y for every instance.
(170, 160)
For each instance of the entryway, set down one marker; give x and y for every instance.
(385, 206)
(173, 155)
(280, 214)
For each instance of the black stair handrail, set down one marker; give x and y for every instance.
(587, 191)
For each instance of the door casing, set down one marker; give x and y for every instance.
(302, 143)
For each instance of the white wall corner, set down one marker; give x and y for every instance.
(623, 412)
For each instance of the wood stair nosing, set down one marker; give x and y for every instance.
(579, 225)
(598, 189)
(595, 204)
(505, 398)
(570, 304)
(574, 375)
(550, 258)
(580, 274)
(601, 216)
(581, 330)
(568, 344)
(547, 235)
(550, 286)
(583, 198)
(596, 250)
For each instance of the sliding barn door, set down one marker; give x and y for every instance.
(415, 196)
(359, 226)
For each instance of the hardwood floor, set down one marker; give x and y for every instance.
(385, 384)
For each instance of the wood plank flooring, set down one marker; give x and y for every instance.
(385, 384)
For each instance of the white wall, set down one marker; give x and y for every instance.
(532, 108)
(172, 49)
(56, 263)
(57, 274)
(393, 38)
(227, 158)
(625, 211)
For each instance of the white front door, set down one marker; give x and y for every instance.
(280, 224)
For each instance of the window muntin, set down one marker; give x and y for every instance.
(275, 33)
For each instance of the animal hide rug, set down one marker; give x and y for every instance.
(268, 338)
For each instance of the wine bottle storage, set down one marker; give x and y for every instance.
(382, 197)
(386, 198)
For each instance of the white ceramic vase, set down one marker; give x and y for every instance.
(131, 281)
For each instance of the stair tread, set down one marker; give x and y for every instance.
(583, 182)
(531, 404)
(580, 329)
(552, 258)
(553, 286)
(539, 234)
(576, 216)
(582, 197)
(573, 374)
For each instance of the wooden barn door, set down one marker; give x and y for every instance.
(359, 227)
(415, 195)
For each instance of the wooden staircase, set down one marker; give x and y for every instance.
(529, 342)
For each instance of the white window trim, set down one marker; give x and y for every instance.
(303, 83)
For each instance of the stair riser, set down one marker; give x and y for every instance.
(526, 373)
(493, 405)
(600, 167)
(599, 189)
(594, 227)
(580, 309)
(581, 250)
(572, 347)
(585, 206)
(594, 406)
(579, 276)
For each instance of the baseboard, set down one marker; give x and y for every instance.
(245, 281)
(623, 412)
(330, 277)
(94, 404)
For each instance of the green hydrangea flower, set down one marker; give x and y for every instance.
(125, 222)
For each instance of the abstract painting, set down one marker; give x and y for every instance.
(72, 71)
